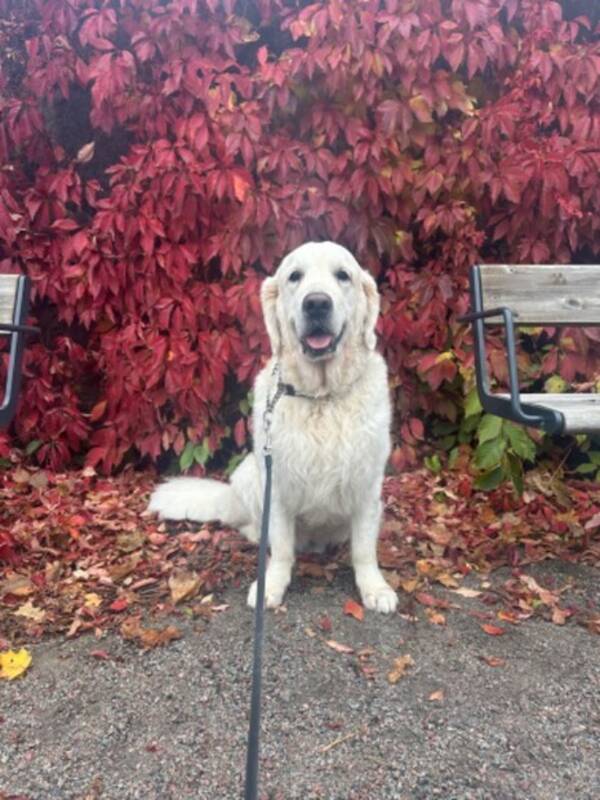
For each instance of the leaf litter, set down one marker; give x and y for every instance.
(78, 551)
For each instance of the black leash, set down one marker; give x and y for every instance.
(251, 785)
(250, 792)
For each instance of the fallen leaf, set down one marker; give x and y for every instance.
(410, 585)
(19, 585)
(493, 630)
(593, 623)
(102, 655)
(120, 604)
(92, 600)
(131, 628)
(183, 585)
(338, 647)
(29, 611)
(324, 624)
(21, 475)
(447, 580)
(128, 542)
(39, 479)
(547, 597)
(392, 578)
(466, 592)
(308, 569)
(425, 566)
(14, 663)
(429, 600)
(508, 616)
(354, 609)
(85, 153)
(121, 570)
(435, 617)
(398, 671)
(493, 661)
(94, 791)
(559, 616)
(436, 696)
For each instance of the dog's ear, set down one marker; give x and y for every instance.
(371, 292)
(268, 297)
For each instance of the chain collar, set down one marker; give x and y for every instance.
(281, 389)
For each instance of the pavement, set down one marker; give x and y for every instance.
(473, 717)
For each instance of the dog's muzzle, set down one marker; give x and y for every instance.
(318, 339)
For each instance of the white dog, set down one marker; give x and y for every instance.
(330, 440)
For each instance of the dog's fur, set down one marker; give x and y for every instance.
(329, 452)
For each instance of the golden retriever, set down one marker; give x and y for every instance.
(330, 440)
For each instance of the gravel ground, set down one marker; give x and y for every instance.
(170, 724)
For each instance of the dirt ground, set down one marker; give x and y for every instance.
(171, 723)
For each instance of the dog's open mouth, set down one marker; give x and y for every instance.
(319, 343)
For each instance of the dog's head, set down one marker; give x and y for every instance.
(318, 301)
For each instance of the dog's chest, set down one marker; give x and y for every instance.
(329, 453)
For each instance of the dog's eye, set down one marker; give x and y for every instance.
(295, 277)
(342, 276)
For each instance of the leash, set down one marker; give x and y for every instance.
(251, 784)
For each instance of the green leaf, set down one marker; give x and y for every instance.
(515, 468)
(453, 457)
(447, 442)
(555, 384)
(433, 463)
(472, 403)
(490, 453)
(202, 452)
(594, 457)
(520, 442)
(234, 461)
(586, 469)
(186, 459)
(489, 427)
(490, 480)
(34, 445)
(441, 427)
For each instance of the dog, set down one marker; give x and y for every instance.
(330, 429)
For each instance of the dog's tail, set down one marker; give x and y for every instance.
(201, 500)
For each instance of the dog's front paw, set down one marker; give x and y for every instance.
(274, 593)
(379, 596)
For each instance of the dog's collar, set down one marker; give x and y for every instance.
(290, 390)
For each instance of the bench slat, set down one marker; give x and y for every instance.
(581, 411)
(8, 289)
(543, 294)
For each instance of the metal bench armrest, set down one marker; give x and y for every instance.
(17, 332)
(512, 408)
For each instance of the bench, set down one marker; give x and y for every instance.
(14, 306)
(548, 295)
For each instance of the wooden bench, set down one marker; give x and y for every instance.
(14, 306)
(515, 295)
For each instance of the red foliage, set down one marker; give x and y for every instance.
(159, 157)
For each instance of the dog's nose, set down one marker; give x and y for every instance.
(317, 304)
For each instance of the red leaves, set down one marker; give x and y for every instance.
(493, 630)
(354, 609)
(146, 246)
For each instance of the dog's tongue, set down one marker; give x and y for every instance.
(320, 341)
